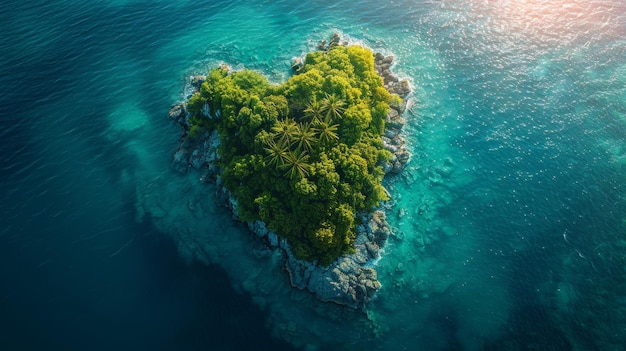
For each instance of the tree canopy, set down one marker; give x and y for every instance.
(304, 156)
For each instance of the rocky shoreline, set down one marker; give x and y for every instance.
(351, 280)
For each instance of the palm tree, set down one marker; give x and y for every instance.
(333, 106)
(296, 164)
(314, 110)
(327, 131)
(304, 137)
(276, 152)
(285, 130)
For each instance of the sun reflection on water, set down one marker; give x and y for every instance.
(560, 22)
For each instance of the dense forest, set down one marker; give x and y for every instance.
(304, 156)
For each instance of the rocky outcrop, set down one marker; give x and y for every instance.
(297, 64)
(335, 40)
(395, 85)
(196, 82)
(350, 280)
(394, 122)
(178, 113)
(199, 152)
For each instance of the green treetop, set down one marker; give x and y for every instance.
(303, 156)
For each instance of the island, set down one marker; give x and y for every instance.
(302, 162)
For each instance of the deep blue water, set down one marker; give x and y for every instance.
(512, 233)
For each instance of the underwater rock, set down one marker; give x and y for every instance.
(297, 64)
(258, 227)
(180, 161)
(397, 167)
(178, 114)
(299, 272)
(196, 81)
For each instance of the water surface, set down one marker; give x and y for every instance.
(509, 219)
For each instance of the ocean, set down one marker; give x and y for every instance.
(509, 221)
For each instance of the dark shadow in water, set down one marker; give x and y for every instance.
(77, 273)
(445, 320)
(529, 328)
(531, 325)
(213, 315)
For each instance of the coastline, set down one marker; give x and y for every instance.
(351, 280)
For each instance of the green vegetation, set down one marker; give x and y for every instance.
(304, 156)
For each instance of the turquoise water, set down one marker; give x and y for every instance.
(509, 221)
